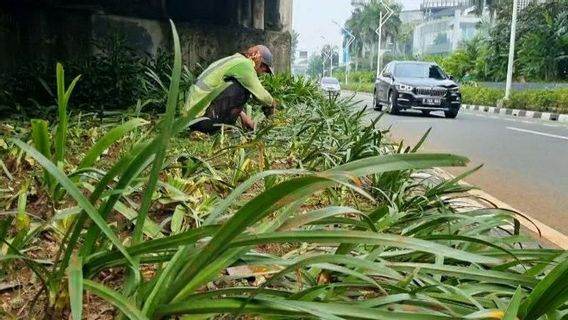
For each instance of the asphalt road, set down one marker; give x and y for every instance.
(525, 160)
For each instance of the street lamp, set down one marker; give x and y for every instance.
(346, 50)
(379, 31)
(326, 55)
(511, 50)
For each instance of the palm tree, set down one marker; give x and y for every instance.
(363, 23)
(491, 5)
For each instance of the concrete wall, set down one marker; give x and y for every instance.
(208, 29)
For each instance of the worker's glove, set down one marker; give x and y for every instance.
(268, 111)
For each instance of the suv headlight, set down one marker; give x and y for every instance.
(455, 89)
(404, 87)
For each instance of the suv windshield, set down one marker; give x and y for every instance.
(418, 70)
(329, 81)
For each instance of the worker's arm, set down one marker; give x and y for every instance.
(245, 74)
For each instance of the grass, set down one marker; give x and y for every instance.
(359, 87)
(313, 215)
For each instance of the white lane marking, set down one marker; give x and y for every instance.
(532, 121)
(538, 133)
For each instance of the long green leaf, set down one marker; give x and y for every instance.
(41, 140)
(238, 191)
(287, 308)
(397, 162)
(315, 215)
(75, 193)
(361, 237)
(108, 139)
(62, 114)
(75, 233)
(550, 293)
(103, 258)
(115, 299)
(62, 104)
(471, 273)
(167, 129)
(513, 308)
(76, 287)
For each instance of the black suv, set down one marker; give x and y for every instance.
(416, 85)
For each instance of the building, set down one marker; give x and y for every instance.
(58, 30)
(412, 16)
(301, 62)
(446, 24)
(359, 2)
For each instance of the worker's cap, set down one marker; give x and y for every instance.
(266, 57)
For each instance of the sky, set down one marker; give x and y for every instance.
(313, 19)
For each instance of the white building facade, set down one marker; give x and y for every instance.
(446, 24)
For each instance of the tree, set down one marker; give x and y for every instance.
(541, 51)
(315, 66)
(295, 40)
(491, 5)
(543, 44)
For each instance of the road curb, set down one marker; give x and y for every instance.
(551, 116)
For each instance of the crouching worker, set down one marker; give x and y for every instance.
(234, 79)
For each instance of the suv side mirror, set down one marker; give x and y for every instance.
(387, 74)
(452, 77)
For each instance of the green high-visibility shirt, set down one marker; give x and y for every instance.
(215, 79)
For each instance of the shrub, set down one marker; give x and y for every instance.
(359, 87)
(544, 100)
(115, 78)
(481, 95)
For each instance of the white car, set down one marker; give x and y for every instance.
(330, 85)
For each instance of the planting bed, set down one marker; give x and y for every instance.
(312, 215)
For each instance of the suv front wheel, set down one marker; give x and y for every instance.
(376, 104)
(452, 114)
(393, 106)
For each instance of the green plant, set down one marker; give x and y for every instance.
(359, 87)
(136, 76)
(337, 227)
(546, 100)
(481, 95)
(40, 131)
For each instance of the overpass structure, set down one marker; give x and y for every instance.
(62, 29)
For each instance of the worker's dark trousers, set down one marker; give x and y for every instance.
(225, 109)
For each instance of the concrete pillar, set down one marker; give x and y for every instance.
(245, 13)
(286, 9)
(278, 15)
(258, 14)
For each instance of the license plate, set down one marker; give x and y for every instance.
(432, 102)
